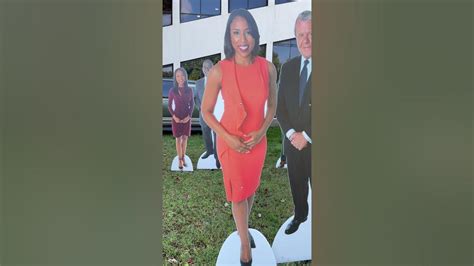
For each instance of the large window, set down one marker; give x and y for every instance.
(167, 12)
(194, 67)
(168, 71)
(198, 9)
(283, 1)
(246, 4)
(283, 51)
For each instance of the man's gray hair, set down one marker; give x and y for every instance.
(207, 63)
(303, 16)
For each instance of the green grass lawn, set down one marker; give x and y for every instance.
(197, 217)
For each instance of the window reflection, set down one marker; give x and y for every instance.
(283, 1)
(256, 3)
(263, 50)
(167, 79)
(167, 12)
(283, 51)
(198, 9)
(246, 4)
(168, 71)
(194, 66)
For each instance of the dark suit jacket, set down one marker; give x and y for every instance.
(199, 93)
(290, 113)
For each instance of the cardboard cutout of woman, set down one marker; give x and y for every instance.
(247, 83)
(181, 106)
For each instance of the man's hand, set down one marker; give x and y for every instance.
(298, 140)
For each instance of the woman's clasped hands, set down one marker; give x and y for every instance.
(253, 138)
(237, 143)
(245, 143)
(185, 120)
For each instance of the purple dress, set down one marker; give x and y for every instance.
(182, 99)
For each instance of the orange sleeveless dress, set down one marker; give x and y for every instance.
(244, 91)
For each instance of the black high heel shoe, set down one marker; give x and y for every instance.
(248, 263)
(252, 242)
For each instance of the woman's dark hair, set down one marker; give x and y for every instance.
(228, 49)
(175, 83)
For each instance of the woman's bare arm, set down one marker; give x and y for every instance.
(272, 97)
(256, 136)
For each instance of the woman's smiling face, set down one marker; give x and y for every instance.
(180, 78)
(242, 41)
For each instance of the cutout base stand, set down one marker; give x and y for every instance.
(230, 250)
(209, 163)
(175, 165)
(296, 246)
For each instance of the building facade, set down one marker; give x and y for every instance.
(194, 30)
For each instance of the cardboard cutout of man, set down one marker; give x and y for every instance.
(282, 160)
(294, 116)
(207, 133)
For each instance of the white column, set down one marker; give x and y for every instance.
(225, 15)
(224, 7)
(269, 51)
(175, 11)
(177, 26)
